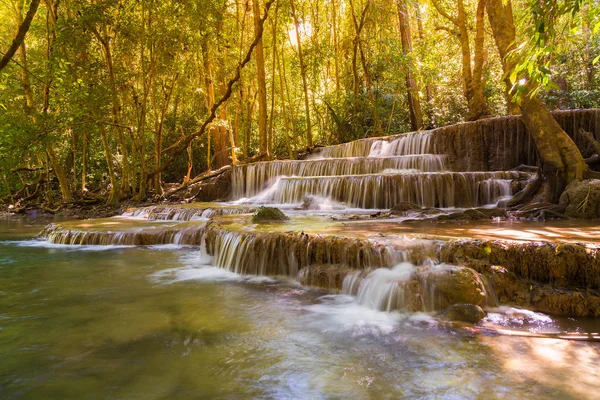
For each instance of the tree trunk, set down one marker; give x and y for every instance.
(57, 165)
(428, 89)
(478, 108)
(210, 101)
(472, 87)
(286, 132)
(21, 32)
(336, 47)
(358, 26)
(309, 138)
(24, 70)
(560, 159)
(113, 197)
(412, 91)
(262, 86)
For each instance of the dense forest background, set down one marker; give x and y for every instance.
(113, 96)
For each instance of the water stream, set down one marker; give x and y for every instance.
(160, 322)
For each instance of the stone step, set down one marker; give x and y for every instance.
(249, 180)
(383, 191)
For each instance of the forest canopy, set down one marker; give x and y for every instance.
(116, 96)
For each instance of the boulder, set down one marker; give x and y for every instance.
(439, 286)
(268, 214)
(582, 199)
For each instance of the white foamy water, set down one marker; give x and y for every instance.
(207, 273)
(517, 318)
(337, 313)
(383, 289)
(48, 245)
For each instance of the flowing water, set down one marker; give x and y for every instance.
(160, 322)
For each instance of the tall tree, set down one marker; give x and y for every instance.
(262, 85)
(412, 91)
(309, 138)
(472, 70)
(561, 160)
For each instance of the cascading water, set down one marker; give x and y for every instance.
(249, 180)
(383, 191)
(373, 173)
(430, 287)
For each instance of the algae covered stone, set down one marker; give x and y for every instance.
(268, 214)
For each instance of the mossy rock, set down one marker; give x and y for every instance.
(268, 214)
(582, 199)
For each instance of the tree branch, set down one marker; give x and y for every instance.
(443, 13)
(20, 34)
(213, 111)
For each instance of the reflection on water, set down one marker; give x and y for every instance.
(162, 323)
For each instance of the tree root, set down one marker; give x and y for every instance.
(540, 211)
(528, 192)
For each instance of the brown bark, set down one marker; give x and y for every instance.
(104, 40)
(309, 138)
(561, 160)
(158, 135)
(472, 83)
(358, 27)
(24, 70)
(428, 89)
(113, 196)
(210, 101)
(412, 91)
(57, 164)
(336, 46)
(286, 132)
(262, 85)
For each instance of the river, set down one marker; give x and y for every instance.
(159, 322)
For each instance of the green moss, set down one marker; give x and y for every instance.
(268, 214)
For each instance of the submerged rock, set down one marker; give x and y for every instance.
(268, 214)
(582, 199)
(464, 313)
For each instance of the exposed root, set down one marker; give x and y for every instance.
(528, 192)
(540, 211)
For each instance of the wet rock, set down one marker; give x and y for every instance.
(403, 207)
(327, 276)
(443, 285)
(268, 214)
(464, 313)
(582, 199)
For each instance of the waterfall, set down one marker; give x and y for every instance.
(383, 289)
(410, 143)
(407, 287)
(383, 191)
(249, 180)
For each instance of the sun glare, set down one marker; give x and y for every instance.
(305, 29)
